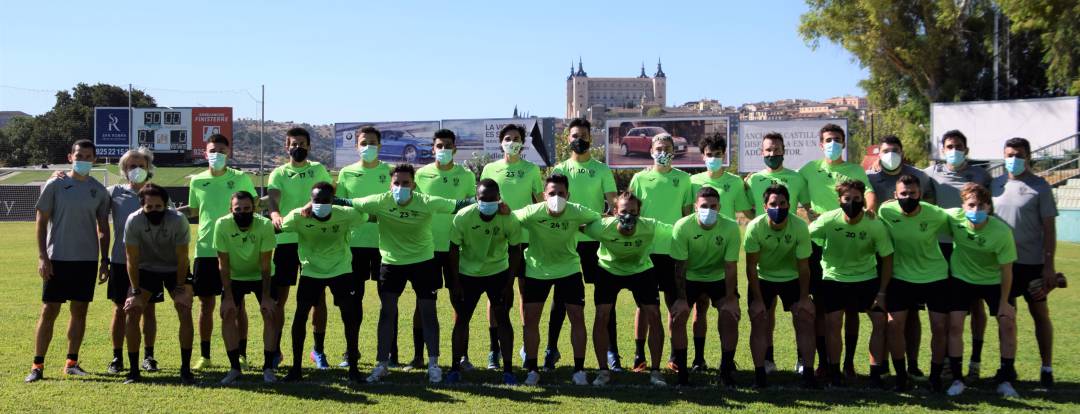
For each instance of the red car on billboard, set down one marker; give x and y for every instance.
(639, 141)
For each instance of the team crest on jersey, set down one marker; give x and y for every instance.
(457, 181)
(637, 243)
(923, 226)
(862, 235)
(93, 193)
(726, 186)
(787, 238)
(719, 240)
(231, 184)
(675, 181)
(336, 227)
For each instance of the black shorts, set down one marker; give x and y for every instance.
(907, 296)
(664, 272)
(848, 296)
(72, 281)
(963, 295)
(441, 264)
(157, 283)
(425, 282)
(207, 277)
(569, 290)
(119, 286)
(310, 290)
(642, 285)
(816, 272)
(286, 264)
(590, 267)
(1023, 275)
(240, 288)
(715, 291)
(365, 263)
(788, 292)
(494, 286)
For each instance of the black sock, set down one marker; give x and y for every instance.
(268, 359)
(680, 361)
(876, 370)
(118, 353)
(639, 348)
(884, 366)
(243, 347)
(234, 358)
(149, 351)
(579, 364)
(530, 364)
(185, 359)
(760, 376)
(955, 366)
(727, 361)
(455, 364)
(418, 343)
(769, 354)
(851, 344)
(39, 359)
(204, 349)
(935, 370)
(699, 349)
(133, 359)
(73, 357)
(493, 335)
(1008, 370)
(320, 339)
(976, 350)
(822, 351)
(901, 370)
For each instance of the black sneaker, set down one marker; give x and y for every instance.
(809, 382)
(1046, 379)
(35, 375)
(699, 366)
(761, 381)
(935, 385)
(187, 378)
(295, 374)
(728, 380)
(132, 377)
(149, 364)
(416, 363)
(876, 382)
(116, 366)
(915, 372)
(355, 377)
(903, 384)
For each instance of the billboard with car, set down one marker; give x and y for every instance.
(408, 141)
(629, 140)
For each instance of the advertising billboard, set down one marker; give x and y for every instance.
(408, 141)
(801, 138)
(166, 130)
(987, 125)
(112, 131)
(481, 136)
(206, 122)
(629, 140)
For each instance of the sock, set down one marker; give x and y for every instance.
(901, 372)
(243, 347)
(680, 361)
(935, 372)
(955, 367)
(884, 366)
(39, 360)
(118, 353)
(760, 376)
(699, 349)
(149, 351)
(73, 357)
(530, 364)
(822, 351)
(133, 359)
(769, 354)
(418, 342)
(455, 364)
(185, 359)
(639, 348)
(493, 335)
(234, 358)
(976, 350)
(851, 344)
(876, 370)
(204, 349)
(579, 364)
(727, 361)
(320, 339)
(268, 359)
(1008, 370)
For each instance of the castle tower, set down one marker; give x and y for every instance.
(660, 85)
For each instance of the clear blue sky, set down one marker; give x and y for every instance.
(326, 61)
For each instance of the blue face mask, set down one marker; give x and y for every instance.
(977, 216)
(487, 208)
(321, 210)
(777, 215)
(833, 150)
(954, 157)
(369, 153)
(82, 167)
(1014, 165)
(713, 163)
(401, 194)
(444, 156)
(216, 160)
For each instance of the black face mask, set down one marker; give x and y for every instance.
(298, 154)
(852, 208)
(908, 204)
(627, 221)
(243, 220)
(155, 217)
(773, 161)
(579, 146)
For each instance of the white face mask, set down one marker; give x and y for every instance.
(511, 147)
(137, 175)
(556, 204)
(707, 216)
(890, 160)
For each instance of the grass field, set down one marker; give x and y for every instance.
(402, 391)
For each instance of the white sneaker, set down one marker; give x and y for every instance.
(532, 378)
(957, 388)
(1007, 391)
(377, 374)
(466, 365)
(230, 377)
(603, 377)
(580, 378)
(799, 366)
(268, 376)
(657, 379)
(770, 367)
(434, 374)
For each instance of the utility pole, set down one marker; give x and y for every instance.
(262, 130)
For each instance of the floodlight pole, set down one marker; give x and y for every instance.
(262, 127)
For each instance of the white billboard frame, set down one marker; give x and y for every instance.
(1000, 120)
(750, 159)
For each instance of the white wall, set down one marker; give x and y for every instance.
(989, 124)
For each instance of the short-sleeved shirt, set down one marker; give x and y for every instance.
(483, 244)
(355, 181)
(552, 251)
(457, 183)
(848, 250)
(884, 184)
(779, 250)
(157, 244)
(518, 182)
(761, 180)
(978, 255)
(404, 236)
(705, 251)
(74, 208)
(213, 197)
(124, 201)
(323, 246)
(589, 181)
(732, 191)
(623, 255)
(822, 178)
(917, 256)
(295, 184)
(945, 186)
(245, 247)
(663, 196)
(1025, 203)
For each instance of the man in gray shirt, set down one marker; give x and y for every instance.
(156, 242)
(1025, 202)
(72, 228)
(946, 181)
